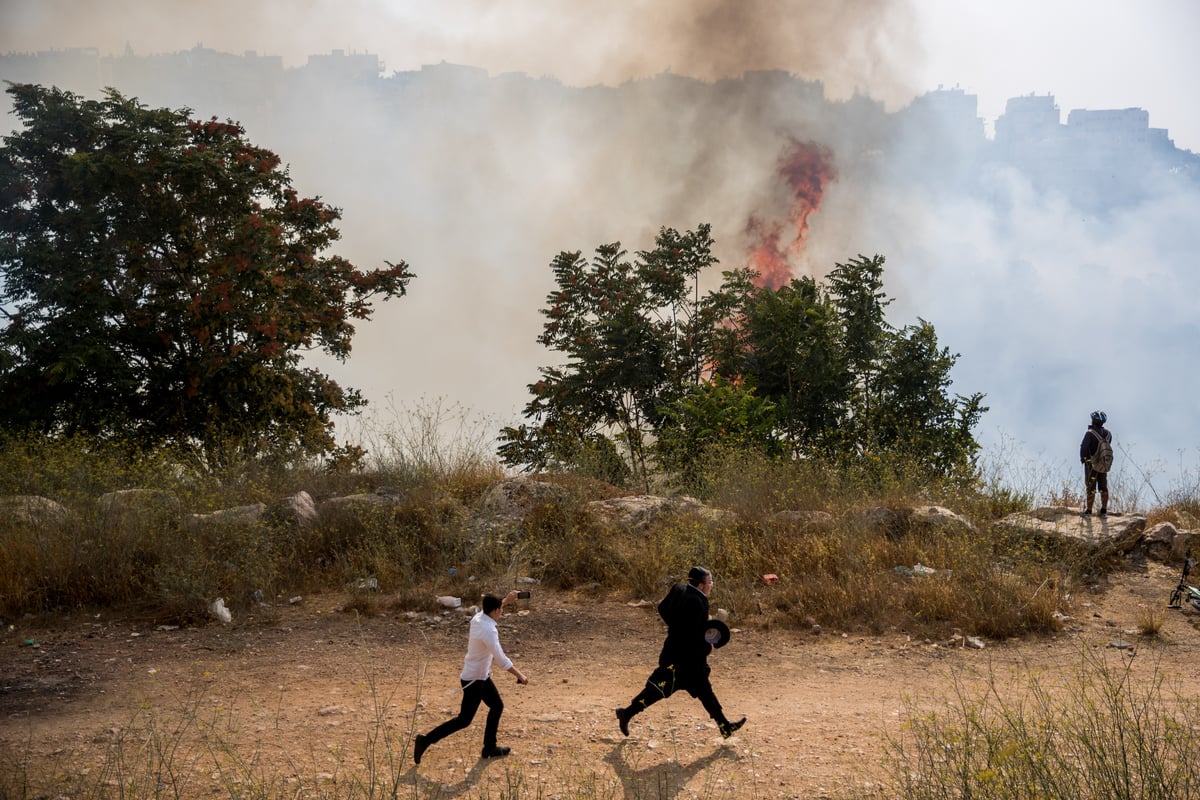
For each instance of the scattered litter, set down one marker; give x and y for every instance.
(771, 577)
(367, 584)
(219, 610)
(293, 601)
(527, 580)
(167, 628)
(917, 569)
(447, 601)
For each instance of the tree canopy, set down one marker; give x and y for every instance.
(161, 278)
(656, 374)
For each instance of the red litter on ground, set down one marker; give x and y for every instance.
(771, 577)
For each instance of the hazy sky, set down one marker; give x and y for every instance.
(1088, 53)
(1008, 286)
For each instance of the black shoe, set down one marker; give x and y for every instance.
(623, 717)
(1104, 512)
(419, 748)
(1085, 513)
(495, 752)
(730, 728)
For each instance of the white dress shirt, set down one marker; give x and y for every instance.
(482, 646)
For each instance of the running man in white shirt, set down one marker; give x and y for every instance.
(482, 647)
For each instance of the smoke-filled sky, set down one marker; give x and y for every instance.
(1007, 284)
(1088, 53)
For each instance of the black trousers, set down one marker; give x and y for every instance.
(665, 680)
(474, 693)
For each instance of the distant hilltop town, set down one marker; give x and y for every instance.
(1097, 157)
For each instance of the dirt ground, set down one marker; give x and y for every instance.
(303, 698)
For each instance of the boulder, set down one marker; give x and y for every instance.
(236, 517)
(356, 509)
(897, 522)
(1159, 541)
(154, 509)
(35, 511)
(939, 517)
(515, 498)
(640, 511)
(1185, 544)
(297, 511)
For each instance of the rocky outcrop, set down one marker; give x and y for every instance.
(298, 511)
(236, 517)
(638, 512)
(898, 522)
(506, 507)
(1118, 534)
(517, 497)
(1165, 542)
(139, 508)
(359, 509)
(33, 511)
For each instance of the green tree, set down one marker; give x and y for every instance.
(635, 337)
(712, 414)
(915, 414)
(856, 288)
(161, 278)
(793, 357)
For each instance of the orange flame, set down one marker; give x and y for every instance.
(807, 168)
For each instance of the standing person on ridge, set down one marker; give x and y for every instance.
(1096, 440)
(683, 662)
(483, 646)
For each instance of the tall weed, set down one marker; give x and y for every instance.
(1095, 731)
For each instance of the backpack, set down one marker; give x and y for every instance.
(1103, 457)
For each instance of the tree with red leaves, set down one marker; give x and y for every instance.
(160, 279)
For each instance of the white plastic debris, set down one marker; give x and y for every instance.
(447, 601)
(219, 610)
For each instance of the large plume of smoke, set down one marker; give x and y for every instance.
(478, 179)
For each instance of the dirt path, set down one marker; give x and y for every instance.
(302, 694)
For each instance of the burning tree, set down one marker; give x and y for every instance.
(656, 375)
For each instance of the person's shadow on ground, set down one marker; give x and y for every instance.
(662, 781)
(432, 788)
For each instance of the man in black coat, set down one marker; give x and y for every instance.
(683, 662)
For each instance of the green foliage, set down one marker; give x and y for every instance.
(915, 415)
(713, 415)
(657, 377)
(633, 334)
(790, 354)
(161, 279)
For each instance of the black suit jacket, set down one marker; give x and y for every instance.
(685, 610)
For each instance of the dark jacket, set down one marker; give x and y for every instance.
(1087, 448)
(685, 610)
